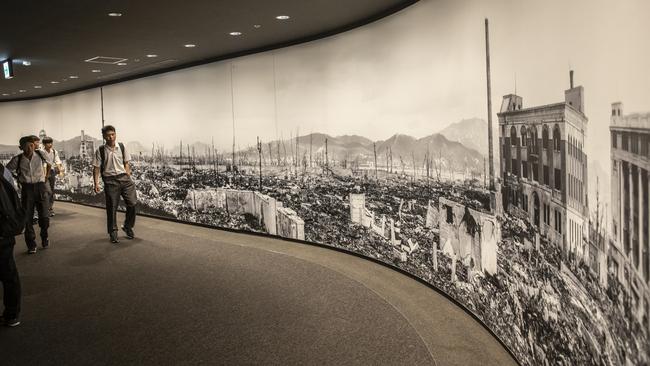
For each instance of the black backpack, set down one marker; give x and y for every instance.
(12, 215)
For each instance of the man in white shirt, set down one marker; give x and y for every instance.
(56, 168)
(32, 169)
(112, 163)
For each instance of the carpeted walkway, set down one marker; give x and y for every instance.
(185, 295)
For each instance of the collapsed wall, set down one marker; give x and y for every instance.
(265, 208)
(290, 225)
(469, 235)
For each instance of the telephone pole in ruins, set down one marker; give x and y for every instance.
(489, 104)
(259, 152)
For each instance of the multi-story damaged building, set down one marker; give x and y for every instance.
(86, 146)
(629, 255)
(544, 167)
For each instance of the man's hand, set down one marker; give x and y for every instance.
(97, 189)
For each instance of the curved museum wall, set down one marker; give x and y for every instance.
(375, 141)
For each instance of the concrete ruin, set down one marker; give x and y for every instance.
(359, 214)
(289, 224)
(469, 235)
(270, 212)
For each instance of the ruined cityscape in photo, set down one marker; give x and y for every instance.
(548, 249)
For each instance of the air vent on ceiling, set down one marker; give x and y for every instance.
(106, 60)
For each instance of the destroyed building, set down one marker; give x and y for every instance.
(276, 219)
(544, 167)
(630, 250)
(469, 235)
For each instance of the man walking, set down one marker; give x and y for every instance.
(56, 168)
(11, 224)
(31, 168)
(112, 162)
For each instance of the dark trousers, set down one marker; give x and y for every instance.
(35, 197)
(114, 187)
(9, 278)
(50, 181)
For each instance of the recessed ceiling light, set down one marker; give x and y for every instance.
(121, 64)
(152, 55)
(5, 94)
(74, 77)
(96, 70)
(257, 26)
(22, 90)
(235, 33)
(54, 82)
(26, 63)
(37, 86)
(189, 45)
(282, 17)
(114, 14)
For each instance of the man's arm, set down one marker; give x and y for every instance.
(96, 178)
(127, 168)
(96, 171)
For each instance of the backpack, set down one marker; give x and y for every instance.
(12, 215)
(102, 155)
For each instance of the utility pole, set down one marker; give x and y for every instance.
(259, 151)
(374, 148)
(232, 108)
(489, 102)
(311, 136)
(297, 147)
(101, 100)
(414, 168)
(326, 158)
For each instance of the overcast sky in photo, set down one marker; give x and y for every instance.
(414, 73)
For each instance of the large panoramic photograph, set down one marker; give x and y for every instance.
(376, 141)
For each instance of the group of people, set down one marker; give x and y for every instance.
(35, 170)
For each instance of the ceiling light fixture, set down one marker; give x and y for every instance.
(5, 94)
(74, 77)
(54, 82)
(96, 70)
(282, 17)
(26, 63)
(235, 33)
(37, 86)
(121, 64)
(22, 90)
(189, 45)
(114, 14)
(152, 55)
(257, 26)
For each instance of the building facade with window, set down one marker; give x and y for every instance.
(629, 257)
(544, 168)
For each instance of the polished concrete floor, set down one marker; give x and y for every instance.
(186, 295)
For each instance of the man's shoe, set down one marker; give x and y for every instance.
(46, 243)
(31, 251)
(51, 213)
(113, 237)
(129, 232)
(11, 322)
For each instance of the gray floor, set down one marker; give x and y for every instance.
(185, 295)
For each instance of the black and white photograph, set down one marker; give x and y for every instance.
(497, 150)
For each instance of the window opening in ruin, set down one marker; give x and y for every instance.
(450, 214)
(472, 226)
